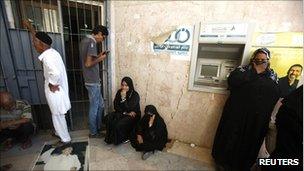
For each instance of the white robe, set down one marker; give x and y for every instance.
(55, 73)
(62, 162)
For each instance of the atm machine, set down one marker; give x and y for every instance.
(217, 50)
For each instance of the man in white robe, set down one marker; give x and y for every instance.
(56, 84)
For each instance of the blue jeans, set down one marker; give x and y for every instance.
(96, 106)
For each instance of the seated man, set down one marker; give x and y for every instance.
(16, 124)
(151, 133)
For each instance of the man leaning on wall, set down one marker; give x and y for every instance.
(90, 60)
(55, 82)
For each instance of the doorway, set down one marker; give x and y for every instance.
(67, 22)
(78, 20)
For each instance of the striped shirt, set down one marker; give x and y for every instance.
(22, 110)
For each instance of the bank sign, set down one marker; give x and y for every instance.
(178, 43)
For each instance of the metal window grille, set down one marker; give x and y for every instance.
(67, 22)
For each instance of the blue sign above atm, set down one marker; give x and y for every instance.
(178, 43)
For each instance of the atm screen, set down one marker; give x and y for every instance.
(209, 70)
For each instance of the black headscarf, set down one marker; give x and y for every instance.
(261, 50)
(129, 82)
(269, 72)
(151, 109)
(157, 134)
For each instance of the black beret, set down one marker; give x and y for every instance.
(45, 38)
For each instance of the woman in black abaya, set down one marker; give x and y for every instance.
(244, 122)
(151, 133)
(121, 122)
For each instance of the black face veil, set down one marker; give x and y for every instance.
(150, 109)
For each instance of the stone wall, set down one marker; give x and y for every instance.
(191, 116)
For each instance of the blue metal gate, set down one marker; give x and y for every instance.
(66, 21)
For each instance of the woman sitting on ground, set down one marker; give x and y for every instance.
(121, 122)
(151, 133)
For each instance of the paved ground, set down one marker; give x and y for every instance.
(124, 157)
(108, 157)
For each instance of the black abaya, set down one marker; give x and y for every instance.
(245, 118)
(154, 137)
(289, 123)
(119, 124)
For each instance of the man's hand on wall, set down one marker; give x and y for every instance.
(28, 26)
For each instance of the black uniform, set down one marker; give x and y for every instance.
(245, 117)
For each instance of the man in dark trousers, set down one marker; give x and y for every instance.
(90, 60)
(244, 122)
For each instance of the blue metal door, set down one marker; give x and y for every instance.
(67, 22)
